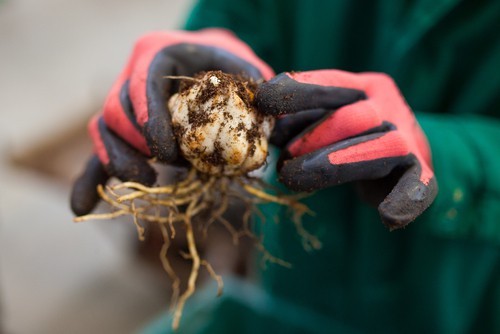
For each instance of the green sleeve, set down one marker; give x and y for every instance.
(466, 157)
(254, 22)
(241, 17)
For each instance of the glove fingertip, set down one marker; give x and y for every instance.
(84, 196)
(407, 201)
(297, 175)
(161, 140)
(82, 203)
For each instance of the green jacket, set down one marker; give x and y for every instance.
(442, 273)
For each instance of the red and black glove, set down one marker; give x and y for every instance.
(344, 127)
(135, 123)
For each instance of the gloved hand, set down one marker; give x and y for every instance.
(344, 127)
(136, 123)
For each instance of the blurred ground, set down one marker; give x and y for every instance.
(58, 58)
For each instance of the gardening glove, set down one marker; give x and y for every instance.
(342, 127)
(135, 123)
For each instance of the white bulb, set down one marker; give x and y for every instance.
(217, 128)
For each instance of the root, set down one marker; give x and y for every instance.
(213, 274)
(193, 252)
(176, 281)
(309, 241)
(179, 203)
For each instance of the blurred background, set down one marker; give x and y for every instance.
(58, 58)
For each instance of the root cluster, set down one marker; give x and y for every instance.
(198, 194)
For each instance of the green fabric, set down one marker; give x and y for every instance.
(241, 307)
(441, 274)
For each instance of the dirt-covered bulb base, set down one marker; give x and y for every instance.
(218, 129)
